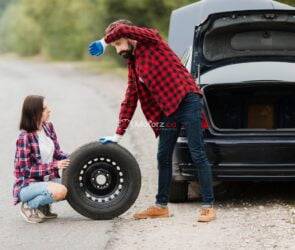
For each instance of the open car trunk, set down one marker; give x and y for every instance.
(245, 36)
(251, 106)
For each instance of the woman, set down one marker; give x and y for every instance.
(37, 160)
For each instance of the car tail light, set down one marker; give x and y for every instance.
(204, 122)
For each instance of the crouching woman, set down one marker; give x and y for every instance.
(38, 159)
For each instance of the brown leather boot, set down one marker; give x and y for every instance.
(207, 214)
(152, 212)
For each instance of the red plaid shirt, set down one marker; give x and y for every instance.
(27, 164)
(156, 77)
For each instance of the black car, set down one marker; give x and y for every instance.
(242, 54)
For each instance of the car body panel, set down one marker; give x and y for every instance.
(241, 159)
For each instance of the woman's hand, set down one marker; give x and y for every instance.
(63, 164)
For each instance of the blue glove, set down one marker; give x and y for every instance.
(110, 139)
(97, 48)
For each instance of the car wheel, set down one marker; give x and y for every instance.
(221, 190)
(178, 191)
(103, 181)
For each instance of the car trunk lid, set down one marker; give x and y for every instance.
(244, 36)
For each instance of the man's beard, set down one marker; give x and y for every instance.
(127, 54)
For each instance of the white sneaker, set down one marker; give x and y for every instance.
(30, 214)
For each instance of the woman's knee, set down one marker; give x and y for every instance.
(58, 191)
(63, 192)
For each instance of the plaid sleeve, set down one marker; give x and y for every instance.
(58, 153)
(23, 161)
(133, 32)
(128, 106)
(41, 170)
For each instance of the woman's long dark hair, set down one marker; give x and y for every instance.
(31, 113)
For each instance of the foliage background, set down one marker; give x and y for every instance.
(62, 29)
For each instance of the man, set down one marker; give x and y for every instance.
(169, 99)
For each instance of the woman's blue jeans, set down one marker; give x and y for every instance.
(188, 115)
(36, 194)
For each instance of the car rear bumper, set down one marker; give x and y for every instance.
(240, 159)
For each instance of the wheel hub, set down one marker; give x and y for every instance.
(101, 179)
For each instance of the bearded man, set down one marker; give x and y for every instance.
(170, 99)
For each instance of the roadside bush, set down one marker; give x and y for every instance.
(67, 26)
(19, 33)
(62, 29)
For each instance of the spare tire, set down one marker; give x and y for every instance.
(103, 181)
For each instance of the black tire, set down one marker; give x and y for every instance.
(178, 191)
(103, 181)
(221, 190)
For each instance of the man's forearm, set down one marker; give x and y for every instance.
(132, 32)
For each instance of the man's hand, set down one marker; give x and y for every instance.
(97, 48)
(110, 139)
(63, 164)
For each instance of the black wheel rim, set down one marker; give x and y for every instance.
(102, 180)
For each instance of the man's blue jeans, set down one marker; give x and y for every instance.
(188, 115)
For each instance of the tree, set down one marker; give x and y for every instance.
(4, 4)
(62, 29)
(150, 13)
(67, 26)
(19, 32)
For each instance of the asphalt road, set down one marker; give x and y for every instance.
(84, 107)
(80, 114)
